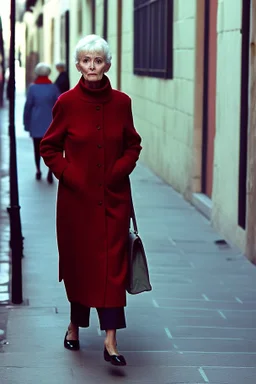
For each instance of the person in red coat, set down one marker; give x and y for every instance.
(92, 147)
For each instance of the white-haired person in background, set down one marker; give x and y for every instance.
(93, 126)
(37, 115)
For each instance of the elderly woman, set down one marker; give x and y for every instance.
(37, 115)
(92, 147)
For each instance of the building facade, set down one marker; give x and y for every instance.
(189, 69)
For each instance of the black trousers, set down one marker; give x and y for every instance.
(36, 142)
(109, 318)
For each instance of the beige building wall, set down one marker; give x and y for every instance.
(75, 34)
(29, 20)
(45, 40)
(34, 41)
(52, 34)
(38, 44)
(163, 109)
(74, 37)
(19, 40)
(87, 29)
(112, 40)
(99, 16)
(226, 153)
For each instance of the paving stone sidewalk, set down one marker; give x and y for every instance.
(196, 326)
(4, 220)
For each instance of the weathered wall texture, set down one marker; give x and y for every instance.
(226, 154)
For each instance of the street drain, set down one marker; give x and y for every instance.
(222, 243)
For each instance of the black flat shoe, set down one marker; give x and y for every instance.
(38, 175)
(50, 178)
(117, 360)
(72, 345)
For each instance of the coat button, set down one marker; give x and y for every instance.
(99, 146)
(98, 165)
(97, 108)
(100, 203)
(100, 184)
(98, 127)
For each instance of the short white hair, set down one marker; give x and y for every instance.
(42, 69)
(93, 43)
(60, 65)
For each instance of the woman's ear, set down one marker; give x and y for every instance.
(107, 67)
(78, 67)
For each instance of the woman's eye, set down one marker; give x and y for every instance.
(98, 61)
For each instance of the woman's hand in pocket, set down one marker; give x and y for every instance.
(74, 178)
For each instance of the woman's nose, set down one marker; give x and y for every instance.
(92, 65)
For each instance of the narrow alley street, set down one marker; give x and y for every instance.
(196, 326)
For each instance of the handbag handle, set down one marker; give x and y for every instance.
(133, 217)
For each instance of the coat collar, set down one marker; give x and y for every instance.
(95, 95)
(42, 80)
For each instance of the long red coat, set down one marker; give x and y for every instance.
(92, 146)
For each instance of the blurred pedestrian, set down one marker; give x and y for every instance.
(92, 147)
(62, 80)
(37, 116)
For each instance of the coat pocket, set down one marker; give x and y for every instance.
(114, 177)
(74, 178)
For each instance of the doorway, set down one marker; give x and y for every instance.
(244, 113)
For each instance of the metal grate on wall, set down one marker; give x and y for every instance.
(153, 38)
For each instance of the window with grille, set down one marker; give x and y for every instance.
(153, 38)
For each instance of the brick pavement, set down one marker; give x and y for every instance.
(196, 326)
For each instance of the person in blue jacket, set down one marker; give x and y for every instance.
(37, 116)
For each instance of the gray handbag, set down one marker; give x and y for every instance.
(138, 276)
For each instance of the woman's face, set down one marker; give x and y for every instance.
(92, 65)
